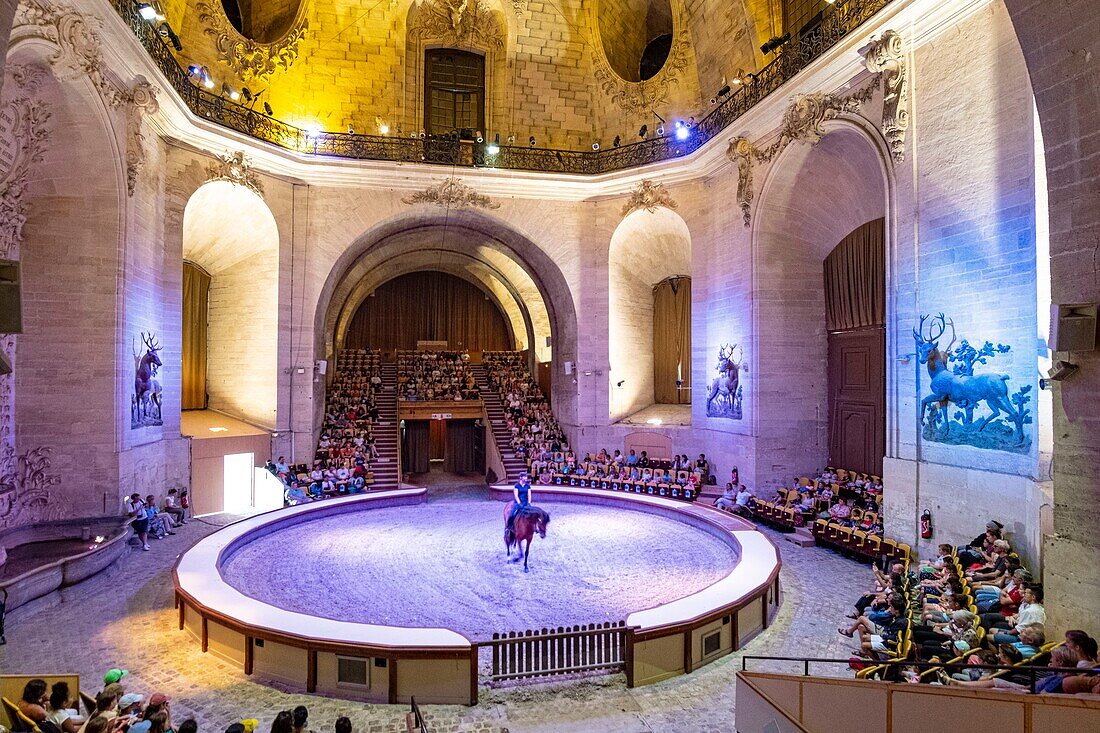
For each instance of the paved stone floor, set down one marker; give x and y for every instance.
(124, 617)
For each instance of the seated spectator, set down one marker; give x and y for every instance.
(300, 718)
(130, 705)
(63, 710)
(1006, 629)
(343, 725)
(743, 502)
(283, 723)
(33, 702)
(156, 714)
(139, 519)
(106, 708)
(173, 508)
(160, 524)
(1084, 646)
(1064, 658)
(728, 500)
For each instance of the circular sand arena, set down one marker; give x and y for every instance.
(442, 564)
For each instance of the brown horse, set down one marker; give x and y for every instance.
(529, 520)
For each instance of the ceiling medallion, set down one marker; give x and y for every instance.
(248, 58)
(642, 96)
(458, 22)
(235, 168)
(451, 193)
(649, 196)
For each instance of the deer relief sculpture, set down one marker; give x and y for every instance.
(952, 382)
(145, 408)
(724, 396)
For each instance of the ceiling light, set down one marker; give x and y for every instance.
(147, 11)
(494, 147)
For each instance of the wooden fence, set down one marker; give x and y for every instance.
(543, 652)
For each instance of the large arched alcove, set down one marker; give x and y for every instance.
(70, 369)
(230, 233)
(486, 244)
(813, 198)
(647, 249)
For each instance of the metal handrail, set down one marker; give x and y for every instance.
(1033, 671)
(796, 55)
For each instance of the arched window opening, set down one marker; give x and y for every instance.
(454, 94)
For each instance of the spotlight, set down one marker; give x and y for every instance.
(660, 130)
(194, 70)
(479, 137)
(205, 76)
(494, 147)
(422, 135)
(596, 145)
(413, 134)
(620, 383)
(531, 141)
(312, 131)
(147, 11)
(165, 31)
(773, 43)
(231, 93)
(643, 131)
(683, 132)
(267, 110)
(246, 93)
(725, 90)
(384, 129)
(351, 130)
(617, 141)
(511, 139)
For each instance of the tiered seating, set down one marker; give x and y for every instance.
(560, 470)
(435, 375)
(530, 428)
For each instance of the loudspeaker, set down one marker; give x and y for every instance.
(568, 367)
(11, 306)
(1072, 327)
(322, 366)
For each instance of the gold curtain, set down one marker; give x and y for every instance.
(672, 340)
(855, 279)
(196, 296)
(429, 306)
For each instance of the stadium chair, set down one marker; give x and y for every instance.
(19, 723)
(859, 541)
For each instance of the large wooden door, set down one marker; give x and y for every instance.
(857, 399)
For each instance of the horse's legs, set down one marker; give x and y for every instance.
(527, 552)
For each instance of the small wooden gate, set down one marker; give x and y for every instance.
(543, 652)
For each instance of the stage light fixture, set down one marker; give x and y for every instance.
(384, 129)
(660, 130)
(494, 147)
(313, 130)
(643, 131)
(479, 137)
(618, 140)
(246, 93)
(511, 139)
(531, 141)
(351, 130)
(422, 135)
(165, 31)
(774, 43)
(683, 132)
(267, 110)
(231, 93)
(596, 145)
(147, 11)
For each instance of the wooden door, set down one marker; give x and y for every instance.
(857, 399)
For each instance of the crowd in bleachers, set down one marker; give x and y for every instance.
(56, 708)
(527, 414)
(837, 503)
(679, 478)
(435, 375)
(973, 617)
(346, 447)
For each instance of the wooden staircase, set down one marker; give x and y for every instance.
(386, 431)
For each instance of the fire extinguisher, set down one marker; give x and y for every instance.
(926, 525)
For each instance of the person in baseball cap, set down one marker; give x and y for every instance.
(130, 703)
(114, 675)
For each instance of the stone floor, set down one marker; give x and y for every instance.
(124, 617)
(666, 414)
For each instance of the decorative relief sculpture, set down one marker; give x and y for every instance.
(952, 381)
(7, 416)
(25, 496)
(79, 52)
(235, 168)
(246, 57)
(724, 396)
(458, 23)
(803, 121)
(643, 96)
(886, 56)
(23, 135)
(147, 404)
(648, 195)
(451, 193)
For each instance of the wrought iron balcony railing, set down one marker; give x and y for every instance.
(844, 17)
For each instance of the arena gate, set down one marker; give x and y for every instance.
(544, 652)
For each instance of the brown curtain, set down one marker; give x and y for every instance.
(414, 446)
(196, 297)
(460, 447)
(855, 279)
(672, 340)
(429, 306)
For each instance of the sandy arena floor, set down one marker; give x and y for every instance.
(443, 564)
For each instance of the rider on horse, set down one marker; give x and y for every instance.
(522, 493)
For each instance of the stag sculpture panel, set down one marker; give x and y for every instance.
(724, 395)
(985, 415)
(147, 401)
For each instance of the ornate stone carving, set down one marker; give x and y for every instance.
(79, 53)
(452, 193)
(142, 100)
(246, 57)
(886, 56)
(7, 415)
(25, 495)
(458, 22)
(643, 96)
(235, 168)
(803, 121)
(648, 195)
(23, 134)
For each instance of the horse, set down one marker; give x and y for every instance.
(529, 520)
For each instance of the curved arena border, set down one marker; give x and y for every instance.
(393, 664)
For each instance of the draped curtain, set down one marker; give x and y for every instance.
(672, 340)
(414, 446)
(855, 279)
(460, 447)
(196, 297)
(429, 306)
